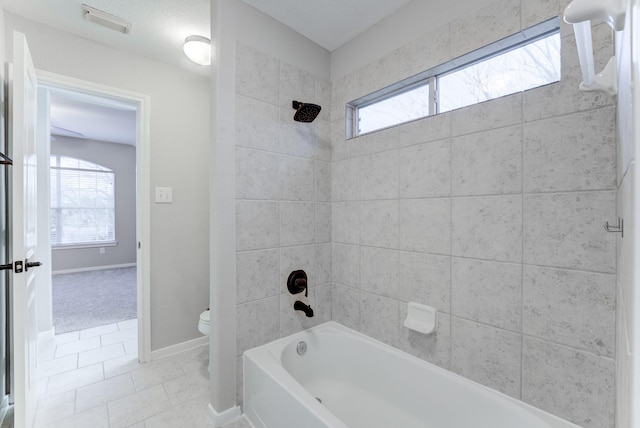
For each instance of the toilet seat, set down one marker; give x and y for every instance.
(203, 323)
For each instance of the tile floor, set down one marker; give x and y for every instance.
(91, 379)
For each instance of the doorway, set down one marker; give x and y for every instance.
(91, 269)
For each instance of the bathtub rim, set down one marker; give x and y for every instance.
(269, 357)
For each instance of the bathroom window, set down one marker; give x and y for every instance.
(82, 202)
(525, 60)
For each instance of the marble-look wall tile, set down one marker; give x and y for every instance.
(425, 279)
(379, 74)
(496, 20)
(425, 52)
(257, 174)
(322, 130)
(257, 275)
(297, 138)
(297, 223)
(493, 114)
(379, 223)
(487, 355)
(323, 222)
(425, 170)
(379, 271)
(344, 180)
(323, 264)
(297, 178)
(257, 225)
(345, 306)
(257, 322)
(534, 12)
(379, 176)
(569, 383)
(257, 74)
(345, 222)
(296, 84)
(488, 228)
(344, 90)
(379, 318)
(435, 348)
(425, 225)
(345, 264)
(302, 257)
(564, 97)
(574, 308)
(323, 181)
(427, 130)
(487, 292)
(576, 152)
(292, 321)
(565, 230)
(322, 97)
(487, 163)
(259, 127)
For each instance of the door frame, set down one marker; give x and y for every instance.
(143, 189)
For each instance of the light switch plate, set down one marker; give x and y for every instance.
(164, 195)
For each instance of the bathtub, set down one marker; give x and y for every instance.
(345, 379)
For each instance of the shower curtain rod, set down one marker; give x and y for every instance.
(580, 13)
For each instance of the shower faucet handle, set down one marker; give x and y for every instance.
(297, 282)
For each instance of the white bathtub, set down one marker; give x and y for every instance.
(363, 383)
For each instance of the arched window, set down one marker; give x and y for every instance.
(82, 202)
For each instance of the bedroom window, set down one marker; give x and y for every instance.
(82, 203)
(526, 60)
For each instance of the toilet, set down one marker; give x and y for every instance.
(203, 324)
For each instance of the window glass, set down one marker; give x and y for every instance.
(522, 61)
(404, 107)
(526, 67)
(82, 202)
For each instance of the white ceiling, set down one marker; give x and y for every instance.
(159, 30)
(329, 23)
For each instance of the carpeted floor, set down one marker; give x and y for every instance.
(91, 299)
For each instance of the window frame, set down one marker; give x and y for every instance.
(431, 77)
(99, 169)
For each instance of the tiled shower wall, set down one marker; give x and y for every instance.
(493, 214)
(283, 198)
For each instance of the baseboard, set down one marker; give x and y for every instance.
(180, 347)
(89, 269)
(223, 418)
(49, 334)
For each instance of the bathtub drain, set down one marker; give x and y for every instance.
(301, 348)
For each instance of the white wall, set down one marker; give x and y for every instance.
(179, 135)
(233, 24)
(121, 159)
(628, 281)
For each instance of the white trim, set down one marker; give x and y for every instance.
(226, 416)
(48, 334)
(179, 347)
(92, 268)
(142, 105)
(56, 247)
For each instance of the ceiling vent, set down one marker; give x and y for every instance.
(106, 19)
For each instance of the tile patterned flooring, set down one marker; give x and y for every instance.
(91, 379)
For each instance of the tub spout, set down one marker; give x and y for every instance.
(299, 306)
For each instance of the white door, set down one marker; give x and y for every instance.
(22, 128)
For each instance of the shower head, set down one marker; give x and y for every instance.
(305, 112)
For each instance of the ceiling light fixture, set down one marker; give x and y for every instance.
(106, 19)
(198, 49)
